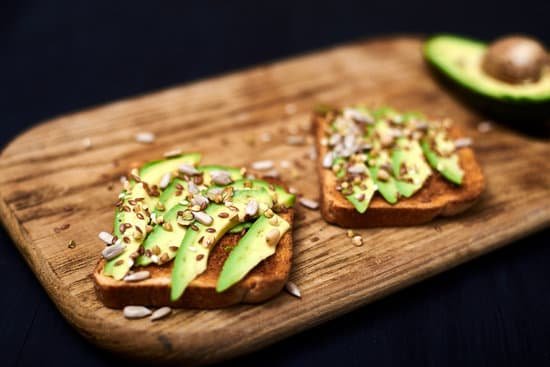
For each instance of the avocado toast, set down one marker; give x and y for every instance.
(385, 168)
(195, 236)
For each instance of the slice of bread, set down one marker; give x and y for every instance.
(438, 197)
(265, 281)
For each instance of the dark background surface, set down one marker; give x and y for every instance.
(59, 56)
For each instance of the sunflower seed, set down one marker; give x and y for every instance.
(272, 237)
(113, 251)
(160, 313)
(136, 312)
(221, 177)
(272, 174)
(188, 170)
(145, 137)
(295, 140)
(357, 241)
(251, 208)
(106, 237)
(293, 289)
(87, 142)
(172, 153)
(199, 200)
(484, 127)
(165, 180)
(192, 188)
(463, 142)
(328, 159)
(357, 168)
(309, 203)
(137, 276)
(262, 165)
(203, 218)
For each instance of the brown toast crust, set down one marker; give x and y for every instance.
(438, 197)
(263, 282)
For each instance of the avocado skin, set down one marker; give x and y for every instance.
(525, 110)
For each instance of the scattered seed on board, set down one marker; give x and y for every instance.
(484, 127)
(113, 251)
(295, 140)
(160, 313)
(350, 233)
(136, 312)
(357, 241)
(87, 142)
(293, 289)
(71, 244)
(262, 165)
(137, 276)
(145, 137)
(106, 237)
(309, 203)
(463, 142)
(290, 108)
(172, 153)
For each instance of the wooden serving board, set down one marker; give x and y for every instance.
(49, 179)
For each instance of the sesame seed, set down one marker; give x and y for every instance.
(145, 137)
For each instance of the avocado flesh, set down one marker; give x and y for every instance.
(460, 59)
(278, 193)
(151, 173)
(167, 241)
(119, 266)
(449, 167)
(169, 199)
(251, 249)
(192, 256)
(240, 227)
(408, 153)
(366, 193)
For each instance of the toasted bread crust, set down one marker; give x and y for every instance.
(263, 282)
(438, 197)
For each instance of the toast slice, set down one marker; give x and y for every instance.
(265, 281)
(438, 197)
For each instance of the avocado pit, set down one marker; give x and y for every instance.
(515, 60)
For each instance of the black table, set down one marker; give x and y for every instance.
(60, 56)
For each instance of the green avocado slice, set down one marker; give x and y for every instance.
(167, 240)
(251, 249)
(409, 167)
(279, 194)
(239, 227)
(449, 167)
(151, 173)
(362, 194)
(174, 193)
(192, 256)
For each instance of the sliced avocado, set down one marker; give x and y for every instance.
(387, 188)
(164, 239)
(240, 227)
(131, 237)
(192, 256)
(362, 194)
(175, 192)
(151, 173)
(279, 194)
(234, 173)
(449, 167)
(409, 166)
(257, 244)
(458, 61)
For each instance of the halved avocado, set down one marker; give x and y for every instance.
(458, 62)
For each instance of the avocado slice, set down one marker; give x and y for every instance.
(278, 193)
(409, 167)
(239, 227)
(362, 194)
(192, 256)
(133, 236)
(458, 62)
(449, 167)
(163, 242)
(257, 244)
(174, 193)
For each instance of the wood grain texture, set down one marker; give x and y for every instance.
(49, 179)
